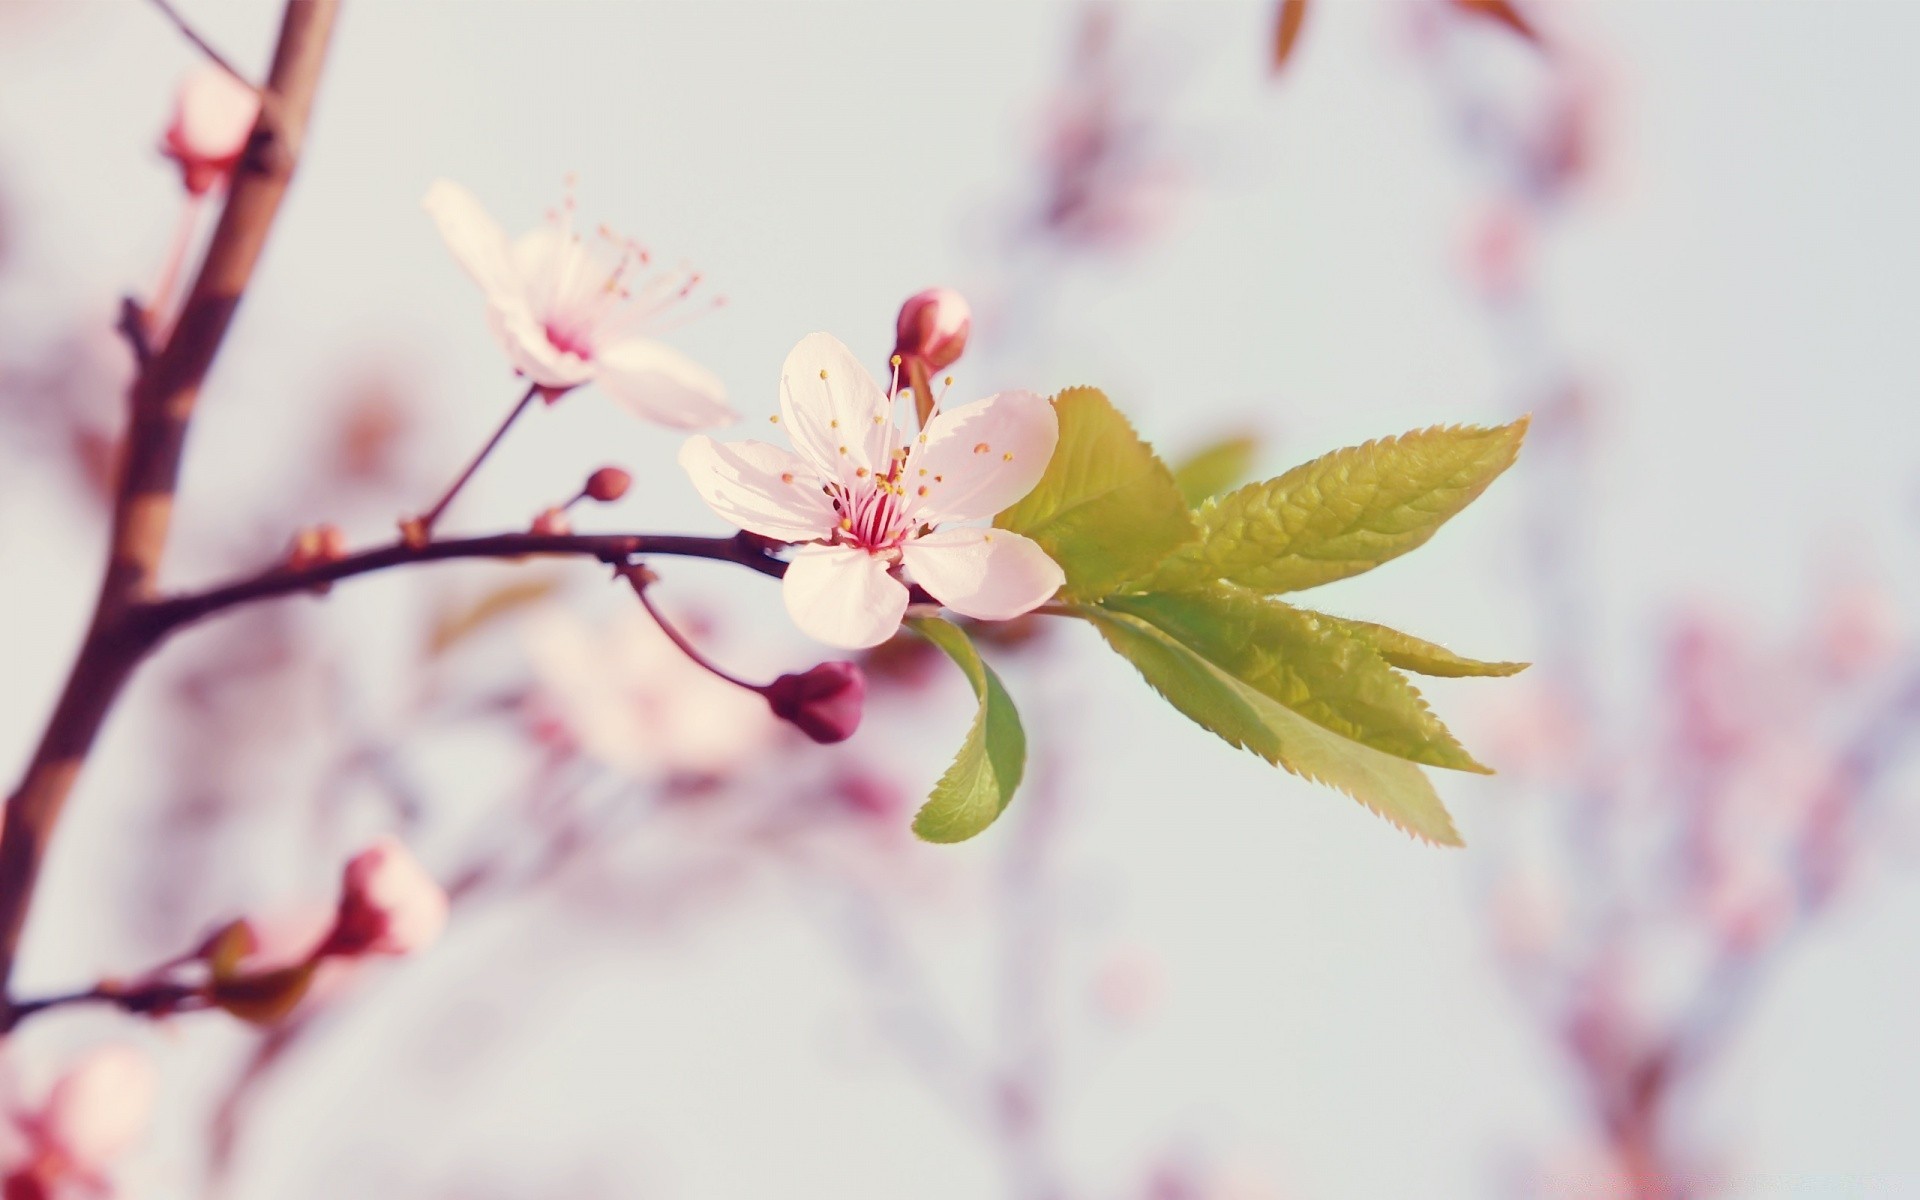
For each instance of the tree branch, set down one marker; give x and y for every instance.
(162, 404)
(158, 618)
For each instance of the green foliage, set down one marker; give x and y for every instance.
(979, 784)
(1410, 653)
(1242, 716)
(1107, 509)
(1216, 469)
(1305, 663)
(1343, 513)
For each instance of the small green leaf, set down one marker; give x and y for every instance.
(1410, 653)
(1107, 510)
(1391, 787)
(1216, 469)
(1343, 513)
(980, 783)
(1330, 677)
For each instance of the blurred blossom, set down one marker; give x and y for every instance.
(624, 694)
(1859, 630)
(568, 311)
(213, 115)
(869, 498)
(388, 904)
(94, 1114)
(1130, 986)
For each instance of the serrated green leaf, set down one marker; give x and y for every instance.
(1107, 510)
(1410, 653)
(1391, 787)
(1343, 513)
(1216, 469)
(979, 784)
(1330, 677)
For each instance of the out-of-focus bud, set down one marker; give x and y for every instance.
(388, 904)
(824, 702)
(867, 795)
(213, 114)
(100, 1109)
(608, 484)
(317, 546)
(932, 329)
(552, 523)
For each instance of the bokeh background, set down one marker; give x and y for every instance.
(1183, 973)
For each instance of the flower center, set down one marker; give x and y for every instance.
(872, 516)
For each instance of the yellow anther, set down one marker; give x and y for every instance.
(923, 489)
(823, 372)
(843, 450)
(786, 477)
(896, 360)
(834, 424)
(1007, 457)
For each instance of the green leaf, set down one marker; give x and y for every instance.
(1306, 663)
(980, 783)
(1410, 653)
(1391, 787)
(1343, 513)
(1215, 469)
(1107, 510)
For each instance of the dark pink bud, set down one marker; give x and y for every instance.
(608, 484)
(824, 702)
(933, 329)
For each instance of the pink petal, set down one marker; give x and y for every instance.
(476, 241)
(760, 488)
(100, 1109)
(214, 115)
(985, 573)
(661, 384)
(837, 416)
(532, 352)
(981, 457)
(843, 596)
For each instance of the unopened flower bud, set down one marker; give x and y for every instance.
(824, 702)
(317, 546)
(608, 484)
(388, 904)
(212, 117)
(932, 329)
(100, 1109)
(553, 523)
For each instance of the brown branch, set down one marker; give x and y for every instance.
(156, 619)
(162, 404)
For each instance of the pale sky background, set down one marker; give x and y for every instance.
(1743, 286)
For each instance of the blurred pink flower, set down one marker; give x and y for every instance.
(213, 116)
(563, 311)
(388, 904)
(1859, 629)
(626, 695)
(1130, 985)
(100, 1109)
(868, 504)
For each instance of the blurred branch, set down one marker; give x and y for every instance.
(162, 404)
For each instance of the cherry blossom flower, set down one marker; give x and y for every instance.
(388, 904)
(625, 695)
(568, 311)
(213, 116)
(870, 501)
(94, 1115)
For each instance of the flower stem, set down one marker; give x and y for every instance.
(639, 578)
(421, 527)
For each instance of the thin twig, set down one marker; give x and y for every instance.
(201, 44)
(421, 528)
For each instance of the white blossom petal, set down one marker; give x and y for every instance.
(837, 416)
(843, 596)
(761, 488)
(985, 573)
(982, 457)
(477, 242)
(532, 352)
(661, 384)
